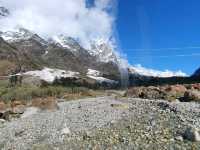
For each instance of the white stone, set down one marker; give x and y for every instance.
(179, 138)
(2, 121)
(65, 130)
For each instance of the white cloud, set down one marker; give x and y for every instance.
(54, 17)
(155, 73)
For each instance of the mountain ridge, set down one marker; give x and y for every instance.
(43, 53)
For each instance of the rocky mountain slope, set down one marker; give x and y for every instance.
(27, 50)
(34, 53)
(4, 12)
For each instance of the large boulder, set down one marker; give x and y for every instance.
(192, 134)
(32, 81)
(176, 89)
(174, 92)
(192, 95)
(168, 92)
(4, 111)
(195, 86)
(146, 92)
(17, 107)
(2, 107)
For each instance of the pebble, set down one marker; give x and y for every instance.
(65, 131)
(179, 138)
(2, 121)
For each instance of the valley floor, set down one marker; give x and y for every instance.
(104, 123)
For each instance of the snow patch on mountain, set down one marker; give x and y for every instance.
(138, 69)
(103, 50)
(49, 75)
(19, 34)
(96, 75)
(65, 42)
(103, 80)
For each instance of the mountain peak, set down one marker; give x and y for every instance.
(197, 73)
(20, 34)
(104, 50)
(4, 12)
(65, 42)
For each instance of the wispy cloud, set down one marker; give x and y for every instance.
(156, 73)
(69, 17)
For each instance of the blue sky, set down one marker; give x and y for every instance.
(160, 34)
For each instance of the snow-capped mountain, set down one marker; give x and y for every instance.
(21, 34)
(103, 51)
(139, 70)
(100, 49)
(97, 75)
(65, 42)
(4, 12)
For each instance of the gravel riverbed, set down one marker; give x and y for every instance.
(104, 123)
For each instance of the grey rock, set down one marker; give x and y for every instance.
(20, 109)
(192, 134)
(192, 95)
(179, 138)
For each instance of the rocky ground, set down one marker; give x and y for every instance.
(105, 123)
(180, 92)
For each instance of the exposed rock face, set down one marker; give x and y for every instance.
(4, 12)
(7, 51)
(195, 86)
(176, 88)
(167, 92)
(192, 134)
(103, 51)
(192, 95)
(146, 93)
(66, 42)
(31, 52)
(31, 81)
(21, 34)
(9, 58)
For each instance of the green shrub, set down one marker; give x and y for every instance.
(4, 83)
(29, 92)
